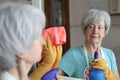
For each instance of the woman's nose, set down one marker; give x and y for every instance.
(95, 30)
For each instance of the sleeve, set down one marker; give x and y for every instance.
(67, 63)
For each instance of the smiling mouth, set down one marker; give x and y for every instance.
(94, 36)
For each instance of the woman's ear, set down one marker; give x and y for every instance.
(20, 56)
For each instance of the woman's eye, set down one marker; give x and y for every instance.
(91, 27)
(100, 27)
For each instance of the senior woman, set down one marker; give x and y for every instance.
(95, 25)
(20, 39)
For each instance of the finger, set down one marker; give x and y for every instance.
(48, 43)
(54, 48)
(59, 52)
(94, 64)
(99, 66)
(97, 63)
(45, 45)
(59, 48)
(58, 56)
(44, 48)
(99, 59)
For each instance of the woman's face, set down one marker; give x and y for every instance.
(95, 32)
(34, 53)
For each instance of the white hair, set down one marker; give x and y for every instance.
(20, 25)
(96, 15)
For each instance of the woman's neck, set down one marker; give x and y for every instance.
(20, 72)
(91, 48)
(14, 72)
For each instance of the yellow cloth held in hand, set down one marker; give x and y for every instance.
(100, 63)
(51, 54)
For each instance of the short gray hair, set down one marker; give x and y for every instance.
(20, 26)
(95, 15)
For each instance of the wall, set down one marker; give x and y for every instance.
(77, 9)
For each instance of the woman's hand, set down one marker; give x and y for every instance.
(51, 57)
(100, 63)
